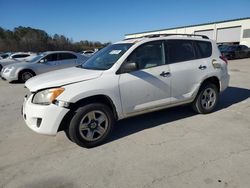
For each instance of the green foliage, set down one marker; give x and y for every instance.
(36, 40)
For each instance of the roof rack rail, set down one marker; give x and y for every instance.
(166, 35)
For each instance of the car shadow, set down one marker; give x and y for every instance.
(126, 127)
(15, 82)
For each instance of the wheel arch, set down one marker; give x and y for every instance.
(26, 69)
(104, 99)
(214, 80)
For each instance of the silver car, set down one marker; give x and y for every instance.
(18, 57)
(45, 62)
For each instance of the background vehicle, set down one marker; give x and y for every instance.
(4, 55)
(125, 79)
(222, 47)
(89, 52)
(42, 63)
(16, 58)
(236, 51)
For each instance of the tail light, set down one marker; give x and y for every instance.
(224, 59)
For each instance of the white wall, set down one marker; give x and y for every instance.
(245, 24)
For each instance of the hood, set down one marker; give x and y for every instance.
(5, 62)
(61, 77)
(15, 64)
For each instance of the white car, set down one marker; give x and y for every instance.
(45, 62)
(16, 58)
(4, 55)
(125, 79)
(89, 52)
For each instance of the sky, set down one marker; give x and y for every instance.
(110, 20)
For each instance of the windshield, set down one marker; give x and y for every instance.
(36, 58)
(107, 57)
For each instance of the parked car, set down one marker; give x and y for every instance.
(42, 63)
(4, 55)
(236, 51)
(222, 47)
(16, 58)
(89, 52)
(125, 79)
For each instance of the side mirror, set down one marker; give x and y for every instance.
(128, 66)
(42, 61)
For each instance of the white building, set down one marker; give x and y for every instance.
(235, 31)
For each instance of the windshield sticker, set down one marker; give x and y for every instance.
(114, 52)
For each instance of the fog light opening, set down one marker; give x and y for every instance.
(38, 122)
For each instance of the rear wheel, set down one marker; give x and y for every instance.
(25, 75)
(206, 99)
(91, 125)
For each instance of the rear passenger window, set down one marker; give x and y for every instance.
(64, 56)
(204, 48)
(180, 50)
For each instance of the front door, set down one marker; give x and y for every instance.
(48, 63)
(148, 87)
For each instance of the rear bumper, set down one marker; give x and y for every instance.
(224, 82)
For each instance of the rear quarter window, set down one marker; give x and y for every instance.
(204, 49)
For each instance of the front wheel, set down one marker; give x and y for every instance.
(25, 75)
(91, 125)
(206, 99)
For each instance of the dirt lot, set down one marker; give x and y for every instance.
(169, 148)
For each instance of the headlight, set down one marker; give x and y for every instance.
(8, 69)
(47, 96)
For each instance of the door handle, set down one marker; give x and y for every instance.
(165, 74)
(202, 67)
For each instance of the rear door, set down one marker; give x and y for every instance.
(66, 60)
(188, 61)
(149, 86)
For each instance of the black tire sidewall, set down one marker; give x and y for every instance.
(73, 130)
(20, 78)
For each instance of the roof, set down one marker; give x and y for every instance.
(50, 52)
(238, 19)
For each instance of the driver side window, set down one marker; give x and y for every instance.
(50, 57)
(148, 55)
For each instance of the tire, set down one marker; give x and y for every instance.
(206, 99)
(25, 75)
(92, 133)
(66, 131)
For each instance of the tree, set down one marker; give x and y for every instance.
(36, 40)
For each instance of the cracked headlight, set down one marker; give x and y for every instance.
(47, 96)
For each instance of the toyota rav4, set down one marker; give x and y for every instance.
(128, 78)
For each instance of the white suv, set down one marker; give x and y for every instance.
(125, 79)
